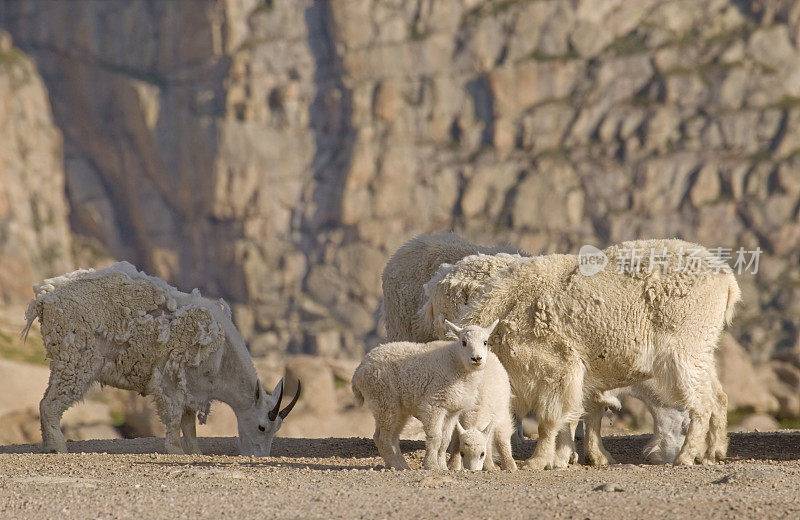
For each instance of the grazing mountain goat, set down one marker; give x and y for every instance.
(433, 382)
(409, 268)
(487, 427)
(128, 330)
(564, 335)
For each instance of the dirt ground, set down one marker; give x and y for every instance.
(341, 478)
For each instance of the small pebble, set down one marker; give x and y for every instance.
(610, 487)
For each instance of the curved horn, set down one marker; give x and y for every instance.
(289, 407)
(273, 414)
(452, 326)
(460, 429)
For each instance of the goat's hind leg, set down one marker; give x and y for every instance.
(397, 455)
(387, 436)
(697, 392)
(593, 449)
(67, 385)
(717, 441)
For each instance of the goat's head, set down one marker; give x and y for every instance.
(260, 422)
(473, 444)
(474, 341)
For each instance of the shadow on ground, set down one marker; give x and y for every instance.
(783, 445)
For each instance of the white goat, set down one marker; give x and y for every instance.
(410, 267)
(487, 427)
(433, 382)
(128, 330)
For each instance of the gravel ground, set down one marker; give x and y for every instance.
(341, 478)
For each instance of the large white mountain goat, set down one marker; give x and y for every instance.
(411, 266)
(128, 330)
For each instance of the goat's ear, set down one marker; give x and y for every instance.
(460, 429)
(258, 391)
(489, 427)
(452, 327)
(492, 326)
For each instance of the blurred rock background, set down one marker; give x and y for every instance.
(276, 152)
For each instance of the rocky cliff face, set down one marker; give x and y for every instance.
(276, 152)
(34, 234)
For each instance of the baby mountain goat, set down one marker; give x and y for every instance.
(129, 330)
(489, 425)
(433, 382)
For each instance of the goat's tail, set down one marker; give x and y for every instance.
(734, 297)
(30, 316)
(357, 392)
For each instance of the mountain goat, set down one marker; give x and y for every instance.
(433, 382)
(128, 330)
(486, 428)
(408, 269)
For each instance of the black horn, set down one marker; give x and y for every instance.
(289, 407)
(273, 414)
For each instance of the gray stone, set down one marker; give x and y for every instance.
(772, 47)
(706, 185)
(589, 39)
(744, 383)
(610, 487)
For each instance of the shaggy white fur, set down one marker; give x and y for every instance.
(564, 336)
(410, 267)
(452, 287)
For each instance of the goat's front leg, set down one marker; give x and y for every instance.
(189, 429)
(565, 446)
(171, 415)
(447, 435)
(433, 424)
(544, 454)
(455, 463)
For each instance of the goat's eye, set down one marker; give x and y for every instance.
(464, 343)
(485, 343)
(261, 428)
(462, 453)
(483, 453)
